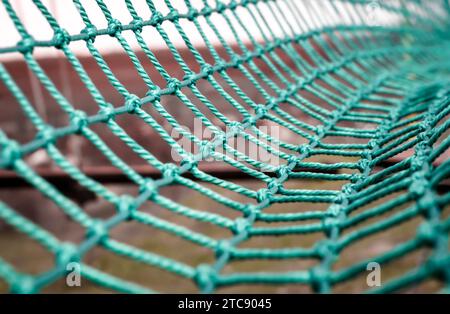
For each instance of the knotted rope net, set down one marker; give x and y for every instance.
(361, 91)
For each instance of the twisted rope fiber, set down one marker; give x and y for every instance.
(362, 62)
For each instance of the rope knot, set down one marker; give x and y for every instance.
(284, 95)
(356, 178)
(438, 262)
(189, 163)
(205, 277)
(424, 136)
(314, 74)
(277, 43)
(373, 144)
(329, 68)
(274, 186)
(61, 38)
(292, 89)
(132, 103)
(91, 32)
(154, 94)
(292, 160)
(348, 189)
(137, 24)
(360, 94)
(221, 65)
(47, 134)
(366, 155)
(335, 115)
(220, 7)
(427, 123)
(97, 230)
(259, 50)
(219, 138)
(349, 103)
(78, 118)
(156, 19)
(250, 210)
(428, 232)
(174, 84)
(248, 55)
(192, 14)
(271, 104)
(316, 32)
(236, 60)
(241, 226)
(149, 188)
(270, 46)
(426, 202)
(320, 131)
(10, 153)
(114, 27)
(223, 247)
(419, 184)
(250, 120)
(330, 224)
(236, 127)
(283, 171)
(170, 171)
(379, 133)
(126, 205)
(174, 15)
(261, 111)
(304, 149)
(207, 69)
(108, 111)
(23, 284)
(335, 209)
(26, 45)
(363, 165)
(423, 149)
(67, 253)
(233, 5)
(318, 276)
(206, 11)
(245, 3)
(189, 78)
(262, 195)
(325, 248)
(301, 83)
(206, 148)
(339, 199)
(418, 162)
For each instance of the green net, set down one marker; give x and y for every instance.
(389, 80)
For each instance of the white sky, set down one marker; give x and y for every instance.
(314, 12)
